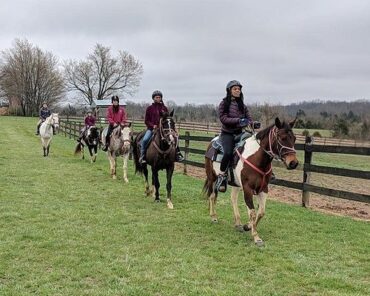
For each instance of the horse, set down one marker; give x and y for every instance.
(90, 138)
(46, 131)
(120, 144)
(252, 172)
(160, 154)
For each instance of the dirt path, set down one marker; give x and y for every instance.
(321, 203)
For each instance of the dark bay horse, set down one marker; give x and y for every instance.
(119, 145)
(160, 155)
(253, 171)
(90, 138)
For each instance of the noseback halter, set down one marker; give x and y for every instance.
(163, 132)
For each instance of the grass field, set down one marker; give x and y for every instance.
(66, 228)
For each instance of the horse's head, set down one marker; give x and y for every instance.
(93, 135)
(126, 135)
(55, 118)
(281, 140)
(167, 128)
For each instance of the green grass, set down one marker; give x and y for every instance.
(66, 228)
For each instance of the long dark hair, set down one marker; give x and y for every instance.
(227, 102)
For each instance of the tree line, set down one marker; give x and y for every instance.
(30, 76)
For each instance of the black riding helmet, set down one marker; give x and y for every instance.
(115, 98)
(233, 83)
(157, 93)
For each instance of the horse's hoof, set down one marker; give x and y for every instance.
(214, 220)
(240, 228)
(170, 205)
(246, 227)
(126, 180)
(259, 243)
(157, 200)
(114, 177)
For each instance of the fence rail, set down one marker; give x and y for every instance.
(71, 129)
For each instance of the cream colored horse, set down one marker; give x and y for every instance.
(120, 144)
(46, 131)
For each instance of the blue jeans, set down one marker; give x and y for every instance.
(145, 141)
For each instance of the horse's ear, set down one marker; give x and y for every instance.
(292, 123)
(171, 113)
(278, 122)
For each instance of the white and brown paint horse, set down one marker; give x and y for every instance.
(46, 131)
(90, 138)
(119, 145)
(253, 171)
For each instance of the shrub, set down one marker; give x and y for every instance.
(317, 134)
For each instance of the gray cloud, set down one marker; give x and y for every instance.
(282, 51)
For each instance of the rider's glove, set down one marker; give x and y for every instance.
(243, 122)
(256, 124)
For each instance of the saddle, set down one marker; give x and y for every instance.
(216, 152)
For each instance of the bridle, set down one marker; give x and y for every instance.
(282, 149)
(166, 132)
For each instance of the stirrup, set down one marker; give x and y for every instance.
(142, 159)
(221, 184)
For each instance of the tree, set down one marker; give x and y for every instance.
(29, 76)
(102, 75)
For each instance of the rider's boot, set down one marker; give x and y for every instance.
(142, 159)
(221, 182)
(179, 156)
(105, 148)
(38, 130)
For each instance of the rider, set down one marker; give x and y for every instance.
(234, 115)
(152, 118)
(43, 114)
(89, 121)
(116, 115)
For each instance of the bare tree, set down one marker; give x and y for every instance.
(30, 76)
(101, 75)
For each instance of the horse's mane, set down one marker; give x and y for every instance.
(264, 133)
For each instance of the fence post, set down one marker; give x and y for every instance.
(306, 173)
(70, 129)
(187, 134)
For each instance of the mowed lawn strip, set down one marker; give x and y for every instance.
(67, 228)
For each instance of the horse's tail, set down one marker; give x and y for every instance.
(78, 148)
(211, 176)
(136, 153)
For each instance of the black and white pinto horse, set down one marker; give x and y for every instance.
(90, 138)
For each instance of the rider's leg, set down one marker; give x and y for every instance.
(38, 127)
(107, 137)
(144, 144)
(228, 146)
(81, 134)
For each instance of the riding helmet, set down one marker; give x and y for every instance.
(157, 93)
(233, 83)
(115, 98)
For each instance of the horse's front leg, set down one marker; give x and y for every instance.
(156, 184)
(95, 152)
(47, 150)
(248, 198)
(147, 188)
(125, 158)
(262, 196)
(169, 172)
(234, 202)
(112, 163)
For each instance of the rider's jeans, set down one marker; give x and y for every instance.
(144, 142)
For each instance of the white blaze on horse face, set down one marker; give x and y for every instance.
(250, 147)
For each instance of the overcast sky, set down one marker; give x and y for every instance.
(281, 51)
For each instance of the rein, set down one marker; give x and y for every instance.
(162, 130)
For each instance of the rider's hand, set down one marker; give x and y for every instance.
(256, 124)
(114, 125)
(243, 122)
(155, 126)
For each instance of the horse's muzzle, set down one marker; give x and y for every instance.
(291, 161)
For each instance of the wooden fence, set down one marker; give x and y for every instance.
(309, 148)
(71, 129)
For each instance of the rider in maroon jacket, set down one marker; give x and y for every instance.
(152, 118)
(89, 121)
(116, 115)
